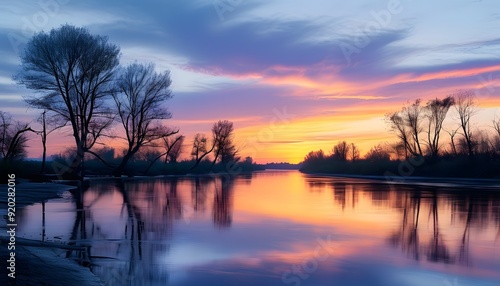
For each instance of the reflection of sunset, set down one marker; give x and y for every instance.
(273, 221)
(313, 207)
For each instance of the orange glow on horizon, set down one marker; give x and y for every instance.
(345, 111)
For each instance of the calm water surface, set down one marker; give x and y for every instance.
(276, 228)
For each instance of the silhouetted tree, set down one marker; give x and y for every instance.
(453, 144)
(248, 160)
(72, 71)
(173, 148)
(496, 125)
(223, 137)
(413, 117)
(496, 140)
(354, 152)
(43, 135)
(482, 144)
(48, 126)
(407, 125)
(399, 150)
(397, 125)
(436, 114)
(341, 151)
(12, 138)
(140, 97)
(466, 108)
(378, 153)
(106, 153)
(146, 155)
(315, 156)
(200, 149)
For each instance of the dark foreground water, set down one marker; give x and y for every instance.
(276, 228)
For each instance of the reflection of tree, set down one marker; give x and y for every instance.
(496, 208)
(223, 202)
(470, 208)
(316, 186)
(339, 193)
(173, 209)
(246, 178)
(129, 256)
(354, 196)
(79, 232)
(437, 252)
(150, 209)
(342, 191)
(463, 256)
(407, 236)
(466, 209)
(474, 208)
(199, 194)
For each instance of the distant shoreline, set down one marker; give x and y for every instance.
(444, 182)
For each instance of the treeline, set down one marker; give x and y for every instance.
(79, 85)
(419, 129)
(214, 153)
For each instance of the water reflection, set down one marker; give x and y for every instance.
(223, 203)
(250, 229)
(457, 208)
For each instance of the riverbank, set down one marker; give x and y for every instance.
(476, 167)
(40, 263)
(28, 193)
(442, 182)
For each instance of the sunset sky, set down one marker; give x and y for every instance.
(293, 76)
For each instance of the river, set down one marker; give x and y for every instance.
(275, 228)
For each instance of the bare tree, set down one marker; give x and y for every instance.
(173, 148)
(496, 125)
(397, 125)
(341, 151)
(483, 144)
(106, 153)
(43, 135)
(354, 152)
(466, 108)
(314, 157)
(140, 96)
(72, 71)
(398, 149)
(378, 153)
(12, 138)
(453, 144)
(48, 126)
(407, 125)
(437, 110)
(223, 137)
(412, 116)
(496, 140)
(200, 149)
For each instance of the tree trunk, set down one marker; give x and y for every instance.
(44, 142)
(119, 170)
